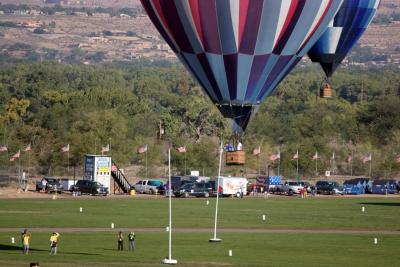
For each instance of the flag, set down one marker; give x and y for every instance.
(274, 157)
(367, 158)
(16, 156)
(3, 148)
(65, 148)
(105, 148)
(28, 148)
(333, 156)
(296, 156)
(257, 151)
(315, 157)
(349, 159)
(181, 149)
(398, 159)
(142, 149)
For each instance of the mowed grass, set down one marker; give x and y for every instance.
(193, 249)
(285, 212)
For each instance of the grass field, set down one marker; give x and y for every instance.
(191, 248)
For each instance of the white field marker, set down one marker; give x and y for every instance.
(80, 209)
(230, 253)
(362, 209)
(12, 240)
(207, 202)
(264, 217)
(112, 225)
(167, 229)
(375, 241)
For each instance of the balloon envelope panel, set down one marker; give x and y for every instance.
(343, 33)
(239, 50)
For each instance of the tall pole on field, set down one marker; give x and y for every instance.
(169, 260)
(279, 162)
(215, 239)
(146, 162)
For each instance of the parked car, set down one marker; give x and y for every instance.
(384, 187)
(204, 189)
(328, 187)
(52, 185)
(148, 186)
(90, 187)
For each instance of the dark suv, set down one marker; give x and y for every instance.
(195, 189)
(90, 187)
(328, 187)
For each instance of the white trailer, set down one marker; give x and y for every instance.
(233, 186)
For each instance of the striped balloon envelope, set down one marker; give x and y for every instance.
(342, 34)
(240, 50)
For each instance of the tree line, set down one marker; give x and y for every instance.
(49, 105)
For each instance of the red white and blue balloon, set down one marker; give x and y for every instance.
(240, 50)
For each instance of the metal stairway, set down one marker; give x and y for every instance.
(120, 179)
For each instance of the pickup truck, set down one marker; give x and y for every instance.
(49, 185)
(148, 186)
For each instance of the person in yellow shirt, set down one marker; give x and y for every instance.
(53, 243)
(25, 241)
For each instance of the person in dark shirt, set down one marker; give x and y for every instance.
(131, 240)
(120, 241)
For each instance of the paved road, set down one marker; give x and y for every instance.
(209, 230)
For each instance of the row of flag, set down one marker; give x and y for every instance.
(182, 149)
(277, 156)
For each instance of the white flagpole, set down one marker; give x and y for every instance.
(370, 165)
(169, 260)
(297, 164)
(215, 239)
(316, 164)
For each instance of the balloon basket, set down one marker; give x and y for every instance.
(326, 91)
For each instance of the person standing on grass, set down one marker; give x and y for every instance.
(120, 241)
(25, 241)
(131, 239)
(54, 243)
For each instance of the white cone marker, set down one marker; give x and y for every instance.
(12, 240)
(112, 225)
(362, 209)
(167, 229)
(80, 209)
(207, 202)
(264, 217)
(230, 253)
(375, 241)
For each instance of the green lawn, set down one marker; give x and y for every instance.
(194, 250)
(321, 213)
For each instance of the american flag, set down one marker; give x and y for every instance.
(315, 157)
(142, 149)
(274, 157)
(28, 148)
(65, 148)
(296, 156)
(257, 151)
(367, 158)
(181, 149)
(16, 156)
(105, 148)
(3, 148)
(398, 159)
(349, 159)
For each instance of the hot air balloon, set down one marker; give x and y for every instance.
(240, 50)
(344, 31)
